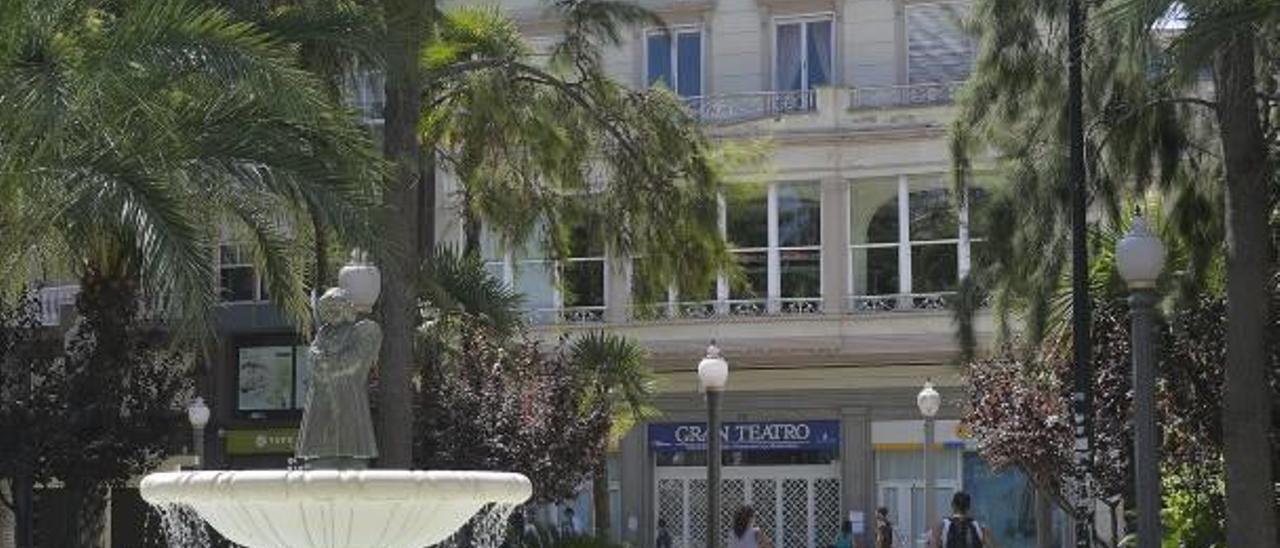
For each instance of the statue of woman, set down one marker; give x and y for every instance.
(337, 428)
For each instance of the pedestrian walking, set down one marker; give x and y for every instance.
(960, 530)
(884, 528)
(845, 540)
(745, 532)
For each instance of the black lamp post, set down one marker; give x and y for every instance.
(713, 374)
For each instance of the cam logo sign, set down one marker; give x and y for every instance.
(747, 436)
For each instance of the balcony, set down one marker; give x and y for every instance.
(849, 108)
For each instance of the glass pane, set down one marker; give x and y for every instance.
(889, 500)
(237, 283)
(643, 288)
(788, 57)
(819, 46)
(659, 52)
(583, 283)
(933, 215)
(585, 240)
(937, 49)
(799, 214)
(689, 63)
(978, 224)
(490, 245)
(533, 281)
(302, 375)
(801, 274)
(230, 254)
(933, 268)
(875, 270)
(755, 276)
(265, 377)
(494, 270)
(917, 513)
(873, 211)
(747, 216)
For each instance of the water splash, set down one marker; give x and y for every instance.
(182, 527)
(486, 529)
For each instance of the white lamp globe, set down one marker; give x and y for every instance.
(198, 413)
(713, 371)
(928, 400)
(361, 280)
(1139, 255)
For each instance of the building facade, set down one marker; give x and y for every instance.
(851, 242)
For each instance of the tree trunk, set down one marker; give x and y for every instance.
(406, 22)
(1246, 403)
(90, 508)
(6, 517)
(600, 497)
(24, 514)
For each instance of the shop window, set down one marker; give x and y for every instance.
(799, 240)
(776, 234)
(272, 377)
(747, 229)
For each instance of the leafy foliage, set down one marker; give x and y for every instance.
(505, 405)
(153, 126)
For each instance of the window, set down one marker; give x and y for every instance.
(776, 234)
(272, 377)
(571, 288)
(674, 60)
(802, 53)
(938, 50)
(237, 278)
(908, 238)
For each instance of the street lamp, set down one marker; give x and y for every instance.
(1140, 258)
(713, 374)
(929, 401)
(198, 415)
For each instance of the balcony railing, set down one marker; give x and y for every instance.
(913, 95)
(730, 108)
(904, 302)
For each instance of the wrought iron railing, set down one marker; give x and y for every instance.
(568, 315)
(730, 108)
(901, 302)
(913, 95)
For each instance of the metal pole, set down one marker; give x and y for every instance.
(1145, 450)
(1081, 397)
(930, 501)
(197, 445)
(713, 469)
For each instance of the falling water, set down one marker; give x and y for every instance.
(486, 530)
(182, 527)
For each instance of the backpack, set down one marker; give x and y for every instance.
(961, 533)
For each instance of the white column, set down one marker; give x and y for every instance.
(617, 287)
(835, 244)
(773, 258)
(904, 242)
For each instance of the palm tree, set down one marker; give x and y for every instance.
(617, 371)
(522, 164)
(1152, 127)
(133, 134)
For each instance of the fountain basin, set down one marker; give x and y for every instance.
(335, 508)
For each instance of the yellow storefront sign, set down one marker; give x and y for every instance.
(270, 441)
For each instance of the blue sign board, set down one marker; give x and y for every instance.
(747, 436)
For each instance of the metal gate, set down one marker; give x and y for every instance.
(796, 506)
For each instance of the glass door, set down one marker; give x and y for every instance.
(802, 59)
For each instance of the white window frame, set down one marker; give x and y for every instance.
(241, 247)
(510, 266)
(675, 31)
(802, 19)
(904, 243)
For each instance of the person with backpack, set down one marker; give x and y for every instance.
(960, 530)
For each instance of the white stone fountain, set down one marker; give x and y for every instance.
(336, 502)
